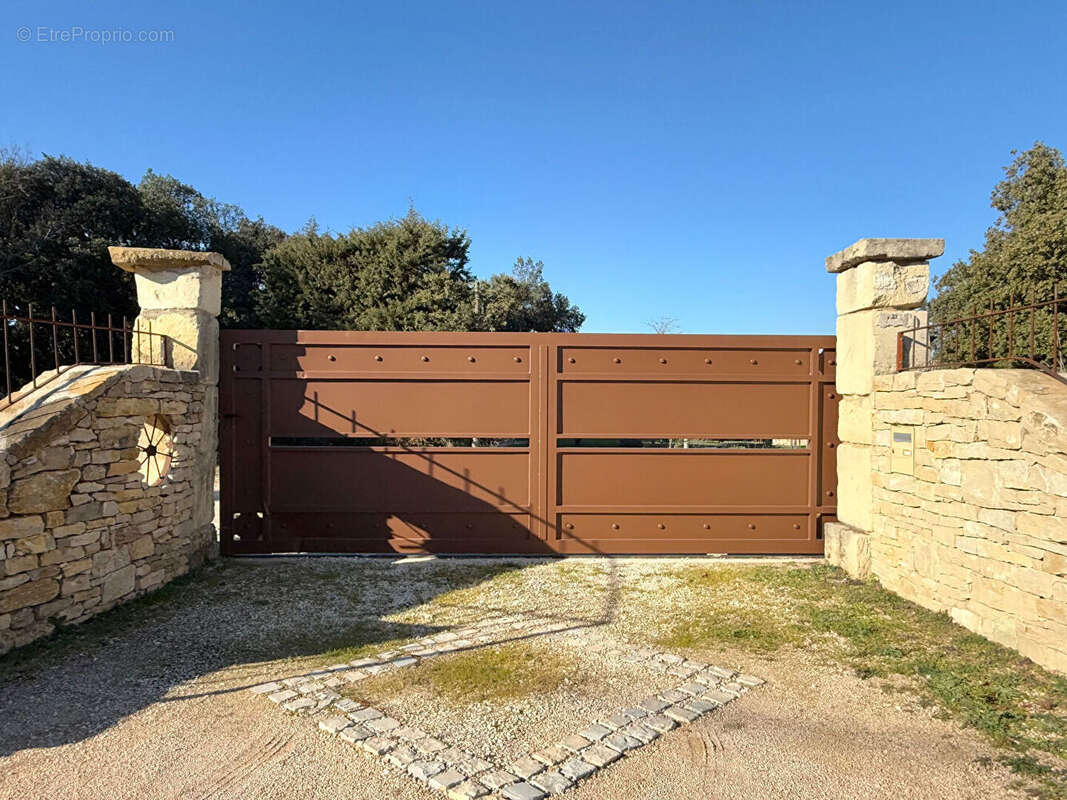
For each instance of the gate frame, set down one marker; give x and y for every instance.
(545, 377)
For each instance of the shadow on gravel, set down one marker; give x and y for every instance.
(228, 618)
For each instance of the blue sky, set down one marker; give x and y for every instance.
(697, 160)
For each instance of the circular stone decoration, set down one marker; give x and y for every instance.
(157, 450)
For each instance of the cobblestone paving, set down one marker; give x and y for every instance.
(552, 770)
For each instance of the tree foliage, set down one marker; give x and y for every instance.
(57, 218)
(523, 301)
(408, 274)
(184, 219)
(1025, 254)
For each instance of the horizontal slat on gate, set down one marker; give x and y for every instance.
(402, 408)
(704, 478)
(415, 358)
(373, 479)
(704, 361)
(684, 533)
(355, 532)
(742, 410)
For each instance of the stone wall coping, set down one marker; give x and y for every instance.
(56, 407)
(149, 259)
(901, 251)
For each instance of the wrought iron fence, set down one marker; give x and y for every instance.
(1020, 335)
(38, 349)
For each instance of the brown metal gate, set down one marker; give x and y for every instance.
(374, 442)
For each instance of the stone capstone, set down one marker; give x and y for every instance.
(899, 250)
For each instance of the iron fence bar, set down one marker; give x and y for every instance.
(55, 340)
(31, 320)
(974, 324)
(1011, 325)
(990, 327)
(7, 352)
(33, 359)
(1056, 361)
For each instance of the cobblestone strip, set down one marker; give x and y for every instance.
(543, 773)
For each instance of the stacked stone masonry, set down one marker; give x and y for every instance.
(980, 529)
(80, 529)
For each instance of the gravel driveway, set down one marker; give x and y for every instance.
(150, 702)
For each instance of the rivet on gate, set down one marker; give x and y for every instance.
(662, 527)
(569, 526)
(663, 361)
(753, 361)
(518, 359)
(570, 360)
(617, 360)
(707, 527)
(471, 359)
(830, 493)
(707, 360)
(832, 396)
(377, 358)
(331, 357)
(833, 363)
(829, 444)
(796, 526)
(752, 526)
(798, 361)
(425, 358)
(614, 526)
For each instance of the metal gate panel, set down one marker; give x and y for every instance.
(408, 481)
(357, 442)
(713, 479)
(668, 408)
(687, 533)
(383, 408)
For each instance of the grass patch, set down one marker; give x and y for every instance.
(504, 672)
(1020, 707)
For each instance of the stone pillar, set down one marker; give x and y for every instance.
(180, 295)
(880, 285)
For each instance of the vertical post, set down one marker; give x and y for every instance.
(7, 354)
(74, 327)
(1011, 325)
(1055, 328)
(990, 355)
(92, 327)
(55, 339)
(881, 284)
(110, 340)
(974, 324)
(180, 295)
(33, 357)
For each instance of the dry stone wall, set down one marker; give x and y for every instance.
(81, 527)
(980, 529)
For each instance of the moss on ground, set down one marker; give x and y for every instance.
(504, 672)
(1019, 706)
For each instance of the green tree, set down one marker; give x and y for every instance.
(182, 218)
(523, 301)
(406, 274)
(57, 218)
(1025, 255)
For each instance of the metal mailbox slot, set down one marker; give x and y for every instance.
(902, 451)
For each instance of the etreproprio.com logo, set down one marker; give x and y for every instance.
(46, 34)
